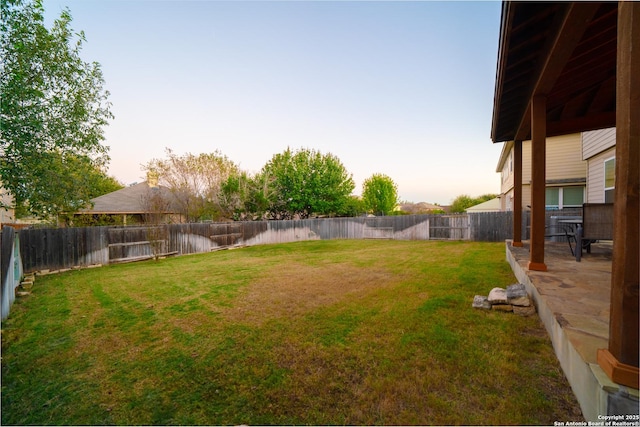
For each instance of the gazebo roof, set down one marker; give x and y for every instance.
(566, 51)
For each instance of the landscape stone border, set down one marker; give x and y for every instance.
(512, 299)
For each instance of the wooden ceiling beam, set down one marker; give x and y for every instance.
(602, 120)
(563, 41)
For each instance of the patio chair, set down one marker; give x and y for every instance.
(597, 224)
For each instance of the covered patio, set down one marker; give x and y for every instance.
(572, 300)
(566, 68)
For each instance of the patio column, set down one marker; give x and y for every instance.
(620, 360)
(517, 193)
(538, 181)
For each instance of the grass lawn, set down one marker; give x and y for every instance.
(320, 332)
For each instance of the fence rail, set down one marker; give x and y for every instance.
(60, 248)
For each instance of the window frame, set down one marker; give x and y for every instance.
(604, 180)
(561, 204)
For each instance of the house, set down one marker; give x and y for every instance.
(566, 68)
(493, 205)
(599, 151)
(139, 203)
(419, 208)
(566, 173)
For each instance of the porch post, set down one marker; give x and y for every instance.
(620, 360)
(517, 193)
(538, 181)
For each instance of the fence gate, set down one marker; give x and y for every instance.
(136, 243)
(449, 227)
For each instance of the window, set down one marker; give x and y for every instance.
(572, 196)
(609, 179)
(563, 197)
(552, 198)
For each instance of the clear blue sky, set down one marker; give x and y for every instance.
(393, 87)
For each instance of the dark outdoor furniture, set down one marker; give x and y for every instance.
(562, 231)
(597, 224)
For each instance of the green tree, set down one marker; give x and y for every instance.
(71, 182)
(461, 203)
(306, 182)
(353, 207)
(52, 113)
(379, 194)
(100, 183)
(196, 181)
(245, 196)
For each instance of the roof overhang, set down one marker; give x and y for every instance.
(565, 51)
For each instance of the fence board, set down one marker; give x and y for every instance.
(491, 226)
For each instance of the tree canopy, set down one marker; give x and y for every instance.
(306, 182)
(53, 111)
(379, 194)
(196, 181)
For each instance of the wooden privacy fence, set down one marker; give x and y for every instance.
(10, 267)
(61, 248)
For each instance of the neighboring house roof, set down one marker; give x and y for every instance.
(428, 206)
(418, 207)
(130, 200)
(492, 205)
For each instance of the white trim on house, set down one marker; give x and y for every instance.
(604, 184)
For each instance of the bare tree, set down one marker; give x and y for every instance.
(195, 181)
(156, 208)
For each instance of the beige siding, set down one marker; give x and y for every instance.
(564, 158)
(526, 196)
(506, 200)
(564, 162)
(595, 179)
(597, 141)
(526, 162)
(507, 182)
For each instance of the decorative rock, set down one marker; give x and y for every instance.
(497, 296)
(502, 307)
(517, 295)
(524, 311)
(520, 301)
(480, 301)
(516, 291)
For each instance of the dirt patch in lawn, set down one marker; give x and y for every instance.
(294, 289)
